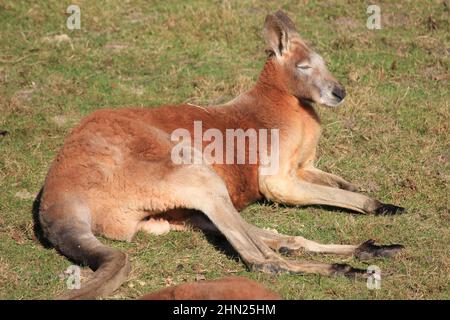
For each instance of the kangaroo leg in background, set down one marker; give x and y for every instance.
(316, 176)
(290, 244)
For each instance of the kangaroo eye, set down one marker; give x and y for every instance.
(304, 66)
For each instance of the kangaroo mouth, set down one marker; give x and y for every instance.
(306, 101)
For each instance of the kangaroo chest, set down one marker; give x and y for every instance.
(299, 138)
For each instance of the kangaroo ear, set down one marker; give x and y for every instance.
(275, 35)
(287, 22)
(278, 29)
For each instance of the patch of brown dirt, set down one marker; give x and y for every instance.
(391, 19)
(347, 23)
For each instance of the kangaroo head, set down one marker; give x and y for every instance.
(303, 71)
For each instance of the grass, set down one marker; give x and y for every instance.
(391, 137)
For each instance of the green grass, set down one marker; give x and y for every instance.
(391, 137)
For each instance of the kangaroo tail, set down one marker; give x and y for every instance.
(67, 226)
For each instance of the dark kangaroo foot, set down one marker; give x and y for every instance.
(369, 250)
(389, 209)
(376, 207)
(342, 269)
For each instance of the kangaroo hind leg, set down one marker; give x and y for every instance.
(200, 188)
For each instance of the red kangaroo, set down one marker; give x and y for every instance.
(115, 175)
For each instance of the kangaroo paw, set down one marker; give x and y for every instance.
(389, 209)
(341, 269)
(369, 250)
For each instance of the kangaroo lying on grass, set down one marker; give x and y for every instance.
(115, 174)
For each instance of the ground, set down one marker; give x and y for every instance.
(391, 136)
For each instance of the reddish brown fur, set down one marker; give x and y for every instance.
(130, 131)
(231, 288)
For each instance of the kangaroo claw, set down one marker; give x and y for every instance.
(369, 250)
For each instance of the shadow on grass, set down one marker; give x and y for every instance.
(221, 244)
(321, 206)
(37, 228)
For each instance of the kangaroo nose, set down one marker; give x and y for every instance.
(339, 92)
